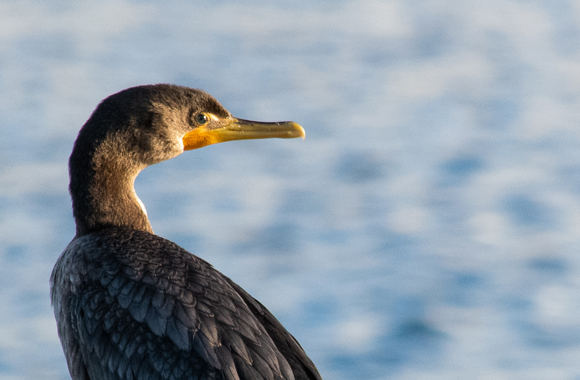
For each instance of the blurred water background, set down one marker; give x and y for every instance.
(427, 228)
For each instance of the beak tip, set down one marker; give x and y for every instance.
(300, 130)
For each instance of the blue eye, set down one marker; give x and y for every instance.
(201, 119)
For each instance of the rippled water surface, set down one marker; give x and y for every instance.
(427, 228)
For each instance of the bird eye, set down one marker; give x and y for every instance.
(201, 119)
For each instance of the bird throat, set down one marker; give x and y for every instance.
(103, 192)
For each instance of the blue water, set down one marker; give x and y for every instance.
(426, 228)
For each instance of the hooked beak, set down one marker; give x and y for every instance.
(239, 129)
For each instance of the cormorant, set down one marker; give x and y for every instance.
(131, 305)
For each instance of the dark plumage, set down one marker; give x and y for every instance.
(132, 305)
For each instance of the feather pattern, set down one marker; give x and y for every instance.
(147, 323)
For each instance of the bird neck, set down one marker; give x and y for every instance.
(102, 190)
